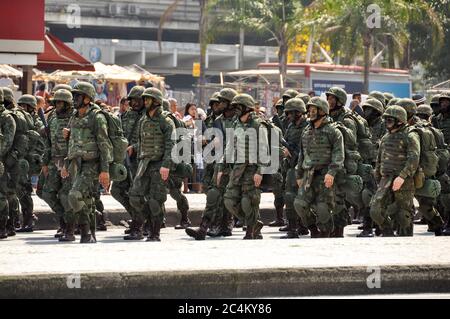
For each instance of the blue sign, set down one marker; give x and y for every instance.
(95, 54)
(322, 86)
(400, 90)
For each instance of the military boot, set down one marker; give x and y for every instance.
(292, 232)
(199, 233)
(3, 233)
(101, 222)
(325, 234)
(367, 229)
(302, 230)
(185, 222)
(315, 233)
(136, 232)
(61, 229)
(387, 232)
(446, 230)
(338, 232)
(86, 236)
(69, 233)
(279, 220)
(257, 230)
(249, 232)
(10, 228)
(27, 224)
(148, 228)
(214, 231)
(238, 223)
(156, 227)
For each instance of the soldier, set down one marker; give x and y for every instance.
(154, 154)
(337, 99)
(7, 134)
(321, 157)
(397, 162)
(442, 121)
(55, 189)
(295, 110)
(425, 112)
(436, 108)
(34, 158)
(215, 212)
(425, 177)
(388, 97)
(88, 161)
(243, 194)
(373, 111)
(130, 120)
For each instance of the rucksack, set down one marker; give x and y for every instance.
(428, 158)
(365, 145)
(115, 134)
(352, 156)
(442, 151)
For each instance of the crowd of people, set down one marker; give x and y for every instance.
(370, 160)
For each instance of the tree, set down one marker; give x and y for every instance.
(276, 17)
(355, 24)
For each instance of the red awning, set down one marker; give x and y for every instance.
(58, 56)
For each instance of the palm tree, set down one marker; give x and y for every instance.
(279, 18)
(346, 23)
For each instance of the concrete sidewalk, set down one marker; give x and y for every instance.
(36, 265)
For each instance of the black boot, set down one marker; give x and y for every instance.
(199, 233)
(10, 228)
(315, 233)
(69, 233)
(3, 233)
(249, 232)
(302, 229)
(185, 222)
(101, 222)
(147, 228)
(238, 223)
(135, 232)
(367, 228)
(214, 231)
(257, 230)
(156, 227)
(86, 236)
(279, 220)
(61, 229)
(292, 232)
(387, 232)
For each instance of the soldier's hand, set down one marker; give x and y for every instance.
(64, 173)
(44, 171)
(103, 178)
(398, 183)
(66, 133)
(219, 177)
(329, 180)
(286, 153)
(257, 179)
(299, 183)
(164, 173)
(130, 150)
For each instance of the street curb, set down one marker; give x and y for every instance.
(276, 282)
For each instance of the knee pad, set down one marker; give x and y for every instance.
(75, 199)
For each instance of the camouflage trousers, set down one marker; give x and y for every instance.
(174, 185)
(215, 210)
(18, 188)
(314, 203)
(389, 207)
(4, 207)
(148, 193)
(291, 187)
(427, 207)
(278, 188)
(55, 193)
(443, 201)
(81, 195)
(241, 196)
(120, 190)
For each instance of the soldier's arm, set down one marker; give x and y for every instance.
(168, 128)
(378, 162)
(412, 157)
(103, 142)
(263, 140)
(47, 152)
(9, 131)
(337, 153)
(299, 169)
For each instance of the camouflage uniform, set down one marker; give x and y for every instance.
(154, 152)
(398, 156)
(321, 153)
(34, 159)
(215, 212)
(442, 122)
(89, 154)
(242, 197)
(55, 188)
(129, 120)
(427, 166)
(7, 134)
(292, 138)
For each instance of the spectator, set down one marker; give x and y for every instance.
(355, 107)
(357, 96)
(41, 91)
(174, 108)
